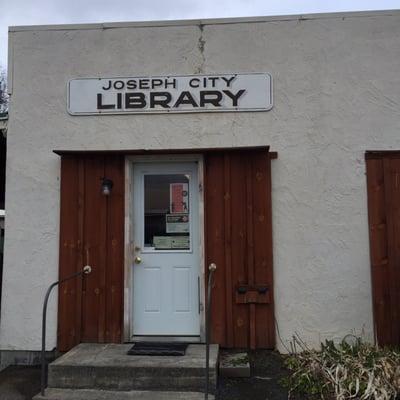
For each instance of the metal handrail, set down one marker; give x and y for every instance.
(86, 270)
(211, 269)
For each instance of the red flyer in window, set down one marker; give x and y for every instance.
(179, 198)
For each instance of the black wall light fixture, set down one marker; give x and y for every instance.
(106, 186)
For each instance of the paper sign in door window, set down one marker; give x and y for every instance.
(171, 242)
(177, 223)
(181, 242)
(162, 242)
(179, 198)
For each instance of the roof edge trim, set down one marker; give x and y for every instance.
(210, 21)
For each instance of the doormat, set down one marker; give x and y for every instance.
(158, 349)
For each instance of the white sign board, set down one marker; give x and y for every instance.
(163, 94)
(177, 223)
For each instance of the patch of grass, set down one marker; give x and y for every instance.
(344, 371)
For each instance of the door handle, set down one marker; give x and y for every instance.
(198, 294)
(137, 259)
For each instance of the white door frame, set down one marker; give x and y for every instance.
(129, 239)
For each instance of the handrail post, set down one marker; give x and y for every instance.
(211, 269)
(86, 270)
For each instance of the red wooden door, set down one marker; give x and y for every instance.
(383, 181)
(92, 232)
(239, 241)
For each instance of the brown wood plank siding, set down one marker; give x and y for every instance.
(115, 255)
(263, 271)
(68, 293)
(91, 232)
(383, 185)
(228, 248)
(239, 241)
(391, 169)
(215, 241)
(94, 252)
(239, 254)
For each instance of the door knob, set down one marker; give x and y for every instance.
(138, 260)
(212, 267)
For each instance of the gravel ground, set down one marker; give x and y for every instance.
(22, 383)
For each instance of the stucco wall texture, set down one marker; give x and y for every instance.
(336, 94)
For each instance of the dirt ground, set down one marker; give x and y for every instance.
(22, 383)
(19, 383)
(267, 370)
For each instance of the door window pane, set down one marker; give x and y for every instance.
(166, 212)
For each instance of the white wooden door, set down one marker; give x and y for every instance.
(166, 298)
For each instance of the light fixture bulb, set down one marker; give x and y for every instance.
(106, 186)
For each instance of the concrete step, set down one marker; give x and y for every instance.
(91, 394)
(108, 367)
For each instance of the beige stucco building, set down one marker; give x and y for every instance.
(335, 95)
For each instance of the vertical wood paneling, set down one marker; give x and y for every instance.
(395, 217)
(215, 241)
(262, 210)
(238, 248)
(228, 249)
(239, 241)
(91, 232)
(93, 299)
(383, 184)
(391, 168)
(250, 247)
(114, 170)
(68, 297)
(378, 249)
(81, 214)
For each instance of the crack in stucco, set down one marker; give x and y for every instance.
(201, 46)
